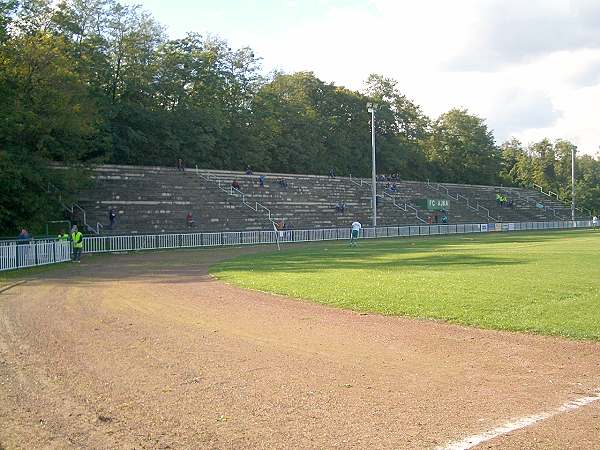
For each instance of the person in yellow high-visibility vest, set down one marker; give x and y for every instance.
(77, 239)
(62, 236)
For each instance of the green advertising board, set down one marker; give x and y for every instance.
(431, 204)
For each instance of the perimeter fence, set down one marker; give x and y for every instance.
(14, 255)
(19, 255)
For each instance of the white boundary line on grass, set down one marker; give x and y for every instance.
(518, 424)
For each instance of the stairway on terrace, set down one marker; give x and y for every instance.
(158, 199)
(414, 192)
(523, 210)
(309, 201)
(563, 210)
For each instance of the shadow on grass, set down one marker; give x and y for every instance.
(363, 261)
(394, 253)
(192, 265)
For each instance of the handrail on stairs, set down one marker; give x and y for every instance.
(234, 192)
(52, 188)
(407, 205)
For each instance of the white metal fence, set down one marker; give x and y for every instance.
(14, 255)
(103, 244)
(18, 255)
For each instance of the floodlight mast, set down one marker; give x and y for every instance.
(371, 107)
(573, 150)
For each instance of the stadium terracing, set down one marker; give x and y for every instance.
(158, 200)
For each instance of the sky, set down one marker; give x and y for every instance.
(531, 68)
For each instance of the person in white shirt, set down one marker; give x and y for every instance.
(356, 226)
(595, 221)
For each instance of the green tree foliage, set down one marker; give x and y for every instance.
(46, 115)
(462, 149)
(90, 81)
(548, 164)
(402, 130)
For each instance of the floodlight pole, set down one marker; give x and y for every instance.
(371, 108)
(573, 150)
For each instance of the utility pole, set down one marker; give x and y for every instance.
(371, 107)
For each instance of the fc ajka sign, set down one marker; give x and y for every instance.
(437, 205)
(431, 204)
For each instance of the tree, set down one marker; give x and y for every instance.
(46, 116)
(402, 129)
(462, 149)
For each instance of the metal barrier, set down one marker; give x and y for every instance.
(104, 244)
(16, 255)
(19, 255)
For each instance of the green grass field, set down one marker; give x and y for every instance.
(547, 283)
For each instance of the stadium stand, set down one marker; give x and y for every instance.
(158, 200)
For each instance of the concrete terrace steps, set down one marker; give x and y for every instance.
(157, 200)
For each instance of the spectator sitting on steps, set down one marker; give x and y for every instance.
(340, 207)
(180, 167)
(332, 172)
(235, 185)
(112, 215)
(261, 181)
(189, 219)
(248, 170)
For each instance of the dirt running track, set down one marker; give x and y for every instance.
(147, 351)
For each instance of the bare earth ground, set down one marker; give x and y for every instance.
(147, 351)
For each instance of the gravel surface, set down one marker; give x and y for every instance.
(148, 351)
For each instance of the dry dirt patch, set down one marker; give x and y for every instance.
(148, 351)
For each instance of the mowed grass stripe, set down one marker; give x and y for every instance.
(544, 283)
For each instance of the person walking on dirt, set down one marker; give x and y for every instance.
(77, 239)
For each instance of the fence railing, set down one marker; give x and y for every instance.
(233, 192)
(103, 244)
(403, 205)
(534, 201)
(73, 209)
(477, 208)
(565, 202)
(18, 255)
(14, 255)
